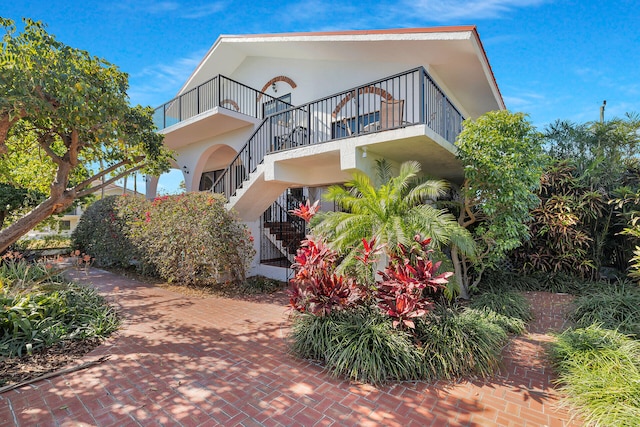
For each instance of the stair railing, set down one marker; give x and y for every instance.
(416, 96)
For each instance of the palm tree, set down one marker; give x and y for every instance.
(392, 212)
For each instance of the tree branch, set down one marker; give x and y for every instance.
(6, 123)
(111, 180)
(73, 148)
(80, 186)
(472, 217)
(44, 141)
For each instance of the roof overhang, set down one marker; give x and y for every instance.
(454, 54)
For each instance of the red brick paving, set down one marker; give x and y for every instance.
(181, 361)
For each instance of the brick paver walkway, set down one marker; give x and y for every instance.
(181, 361)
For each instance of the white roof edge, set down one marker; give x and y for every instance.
(463, 33)
(459, 35)
(488, 71)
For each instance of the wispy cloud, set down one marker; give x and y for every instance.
(205, 10)
(450, 10)
(605, 78)
(176, 8)
(158, 83)
(162, 7)
(523, 99)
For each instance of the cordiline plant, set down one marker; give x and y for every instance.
(403, 294)
(316, 287)
(407, 280)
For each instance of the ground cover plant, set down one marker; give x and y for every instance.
(46, 242)
(599, 372)
(613, 306)
(40, 310)
(509, 308)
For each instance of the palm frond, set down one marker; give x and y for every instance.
(384, 171)
(430, 189)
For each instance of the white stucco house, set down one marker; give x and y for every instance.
(270, 120)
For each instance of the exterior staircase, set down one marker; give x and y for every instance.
(283, 230)
(352, 113)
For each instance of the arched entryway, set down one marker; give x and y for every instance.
(211, 165)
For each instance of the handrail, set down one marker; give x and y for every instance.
(401, 100)
(219, 91)
(275, 218)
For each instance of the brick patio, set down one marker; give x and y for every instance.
(181, 361)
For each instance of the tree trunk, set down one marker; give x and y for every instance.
(59, 200)
(460, 276)
(11, 234)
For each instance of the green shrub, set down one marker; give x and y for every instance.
(508, 303)
(39, 311)
(616, 306)
(501, 280)
(498, 280)
(312, 336)
(367, 348)
(190, 238)
(599, 370)
(102, 232)
(460, 343)
(361, 344)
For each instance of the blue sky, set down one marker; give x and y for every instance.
(552, 59)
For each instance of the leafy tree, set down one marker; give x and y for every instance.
(392, 213)
(599, 151)
(560, 236)
(13, 198)
(603, 156)
(628, 204)
(73, 107)
(502, 157)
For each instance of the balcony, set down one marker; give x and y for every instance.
(217, 106)
(409, 101)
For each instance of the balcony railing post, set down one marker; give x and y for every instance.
(308, 136)
(358, 109)
(219, 91)
(198, 99)
(422, 98)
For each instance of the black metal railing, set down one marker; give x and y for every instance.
(288, 229)
(401, 100)
(220, 91)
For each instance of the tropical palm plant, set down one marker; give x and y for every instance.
(392, 213)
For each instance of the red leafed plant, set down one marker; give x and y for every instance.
(306, 211)
(316, 288)
(409, 273)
